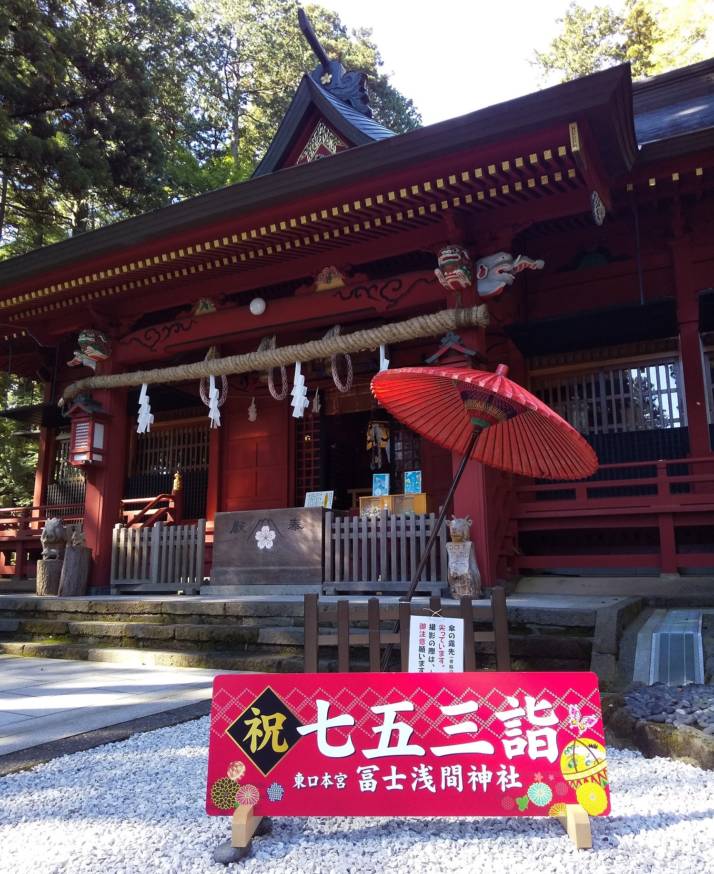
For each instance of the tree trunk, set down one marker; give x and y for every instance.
(3, 202)
(48, 576)
(75, 571)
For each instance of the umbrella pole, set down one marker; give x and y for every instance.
(432, 538)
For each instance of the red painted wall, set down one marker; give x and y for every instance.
(255, 458)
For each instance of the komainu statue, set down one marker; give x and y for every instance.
(464, 577)
(53, 539)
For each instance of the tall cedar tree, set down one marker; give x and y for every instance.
(652, 35)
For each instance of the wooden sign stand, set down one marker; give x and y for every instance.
(245, 826)
(576, 822)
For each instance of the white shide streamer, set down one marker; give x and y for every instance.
(214, 413)
(299, 402)
(145, 418)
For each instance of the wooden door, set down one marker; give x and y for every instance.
(255, 473)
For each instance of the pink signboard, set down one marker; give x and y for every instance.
(470, 744)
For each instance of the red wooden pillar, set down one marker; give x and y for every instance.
(471, 499)
(690, 348)
(45, 457)
(105, 487)
(213, 492)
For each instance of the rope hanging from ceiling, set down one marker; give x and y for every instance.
(267, 344)
(341, 386)
(358, 341)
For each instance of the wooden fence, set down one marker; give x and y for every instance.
(335, 625)
(381, 552)
(163, 558)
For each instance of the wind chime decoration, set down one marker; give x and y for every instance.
(383, 360)
(145, 418)
(316, 403)
(252, 411)
(341, 385)
(299, 402)
(378, 433)
(266, 344)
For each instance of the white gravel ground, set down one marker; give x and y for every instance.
(137, 806)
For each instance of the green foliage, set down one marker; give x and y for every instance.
(110, 108)
(652, 35)
(261, 55)
(18, 455)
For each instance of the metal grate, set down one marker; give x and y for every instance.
(643, 397)
(677, 653)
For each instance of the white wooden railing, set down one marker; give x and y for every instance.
(381, 552)
(163, 558)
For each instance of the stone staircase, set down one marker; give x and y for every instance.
(231, 635)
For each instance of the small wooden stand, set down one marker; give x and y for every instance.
(244, 826)
(576, 822)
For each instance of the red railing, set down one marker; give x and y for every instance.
(20, 530)
(678, 494)
(144, 512)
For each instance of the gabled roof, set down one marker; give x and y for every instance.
(356, 128)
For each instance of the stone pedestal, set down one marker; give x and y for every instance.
(268, 547)
(48, 576)
(75, 571)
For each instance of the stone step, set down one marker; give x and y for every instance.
(233, 661)
(140, 635)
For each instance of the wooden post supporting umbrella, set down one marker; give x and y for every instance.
(485, 417)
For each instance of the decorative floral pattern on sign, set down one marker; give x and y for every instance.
(265, 537)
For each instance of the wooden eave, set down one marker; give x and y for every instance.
(494, 163)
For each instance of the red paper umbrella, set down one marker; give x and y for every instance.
(488, 417)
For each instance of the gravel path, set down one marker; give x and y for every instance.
(137, 806)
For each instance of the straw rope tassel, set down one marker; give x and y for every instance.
(359, 341)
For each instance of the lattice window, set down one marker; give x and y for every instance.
(66, 483)
(159, 453)
(640, 397)
(406, 455)
(307, 460)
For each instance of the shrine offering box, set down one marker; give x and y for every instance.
(268, 546)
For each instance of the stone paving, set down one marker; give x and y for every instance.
(45, 700)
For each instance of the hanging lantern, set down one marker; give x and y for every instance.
(88, 433)
(378, 433)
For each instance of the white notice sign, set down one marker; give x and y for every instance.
(436, 645)
(319, 499)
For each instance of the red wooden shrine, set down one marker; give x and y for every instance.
(610, 183)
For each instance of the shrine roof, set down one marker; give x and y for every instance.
(357, 128)
(603, 99)
(674, 112)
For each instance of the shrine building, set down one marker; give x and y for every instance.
(579, 218)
